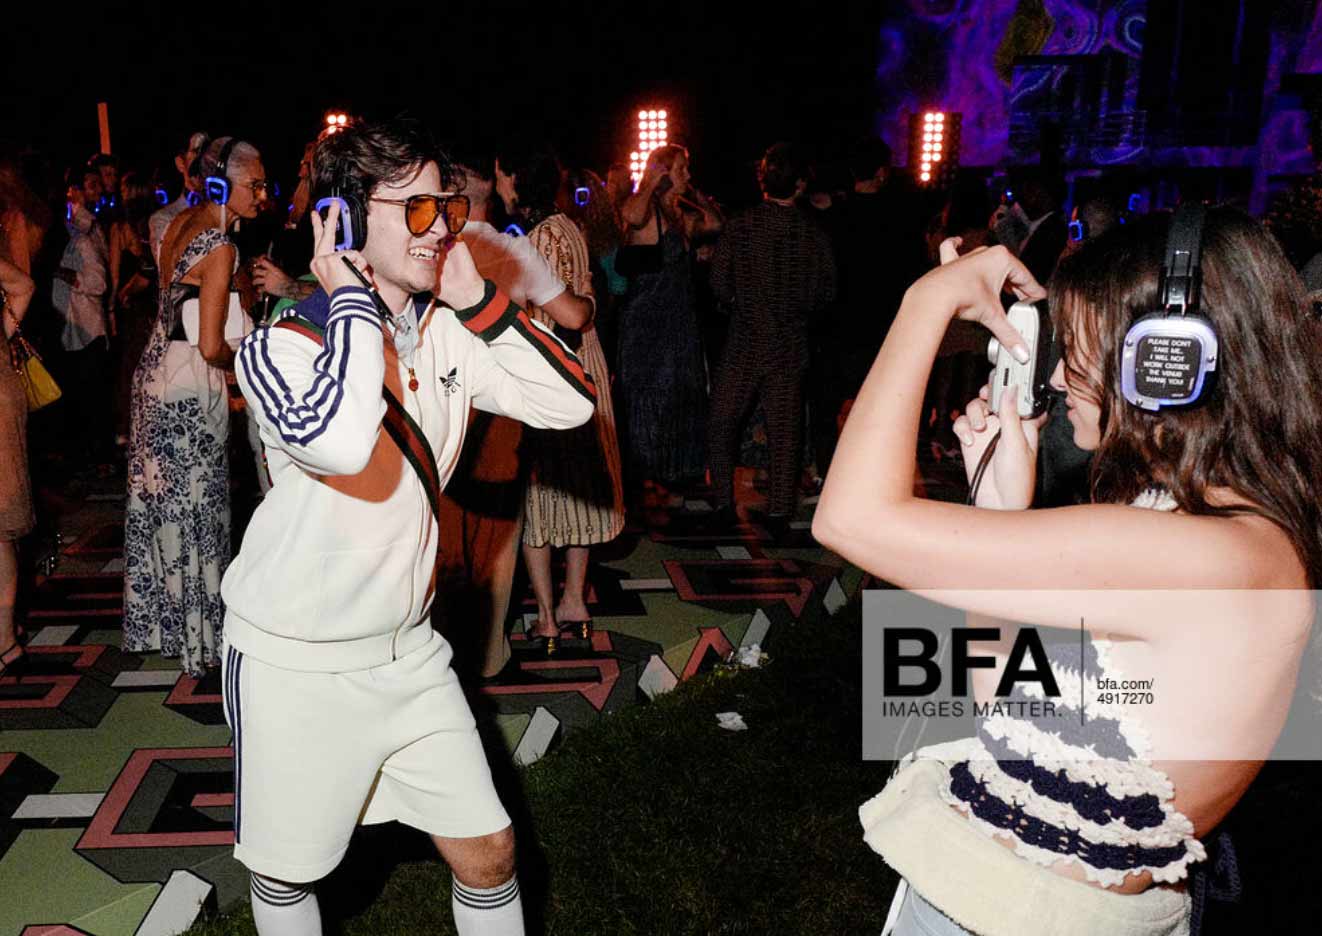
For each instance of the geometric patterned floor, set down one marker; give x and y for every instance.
(116, 789)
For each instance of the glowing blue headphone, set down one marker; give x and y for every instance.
(217, 185)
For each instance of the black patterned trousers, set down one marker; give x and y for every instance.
(771, 369)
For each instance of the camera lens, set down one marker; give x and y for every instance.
(993, 350)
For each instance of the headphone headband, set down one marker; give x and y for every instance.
(1181, 273)
(217, 184)
(223, 158)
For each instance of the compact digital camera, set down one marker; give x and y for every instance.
(1033, 322)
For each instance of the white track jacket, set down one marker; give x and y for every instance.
(335, 572)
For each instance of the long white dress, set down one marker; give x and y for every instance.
(177, 525)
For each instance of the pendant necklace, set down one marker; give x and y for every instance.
(406, 340)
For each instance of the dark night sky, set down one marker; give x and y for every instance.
(735, 77)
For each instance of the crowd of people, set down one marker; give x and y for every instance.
(547, 351)
(702, 324)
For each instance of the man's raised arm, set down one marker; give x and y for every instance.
(320, 404)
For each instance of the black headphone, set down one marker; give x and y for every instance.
(351, 228)
(1169, 356)
(217, 184)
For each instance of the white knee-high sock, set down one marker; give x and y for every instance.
(491, 911)
(281, 909)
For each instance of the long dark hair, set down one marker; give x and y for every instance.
(1259, 434)
(598, 218)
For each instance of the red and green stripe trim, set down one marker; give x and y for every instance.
(398, 424)
(493, 314)
(408, 435)
(557, 355)
(303, 327)
(496, 312)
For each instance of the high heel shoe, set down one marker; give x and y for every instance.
(549, 644)
(580, 629)
(11, 662)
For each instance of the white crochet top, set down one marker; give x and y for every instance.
(1042, 782)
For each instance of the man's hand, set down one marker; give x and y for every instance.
(270, 279)
(327, 265)
(459, 285)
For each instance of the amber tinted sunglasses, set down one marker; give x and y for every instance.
(421, 211)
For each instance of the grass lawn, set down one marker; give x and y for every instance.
(658, 821)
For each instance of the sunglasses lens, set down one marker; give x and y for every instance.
(456, 213)
(420, 214)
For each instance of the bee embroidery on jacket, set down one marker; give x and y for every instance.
(451, 381)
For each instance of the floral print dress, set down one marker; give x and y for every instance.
(177, 525)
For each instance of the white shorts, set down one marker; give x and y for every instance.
(315, 754)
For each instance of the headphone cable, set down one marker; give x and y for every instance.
(975, 483)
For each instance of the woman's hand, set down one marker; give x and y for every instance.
(652, 176)
(970, 288)
(1008, 481)
(327, 265)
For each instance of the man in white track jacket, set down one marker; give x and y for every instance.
(340, 695)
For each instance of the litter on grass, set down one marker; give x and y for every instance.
(731, 721)
(750, 656)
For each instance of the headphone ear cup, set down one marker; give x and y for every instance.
(353, 217)
(217, 184)
(1168, 360)
(358, 216)
(218, 190)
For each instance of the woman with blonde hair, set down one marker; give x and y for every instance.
(662, 374)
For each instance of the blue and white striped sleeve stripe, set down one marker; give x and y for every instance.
(301, 419)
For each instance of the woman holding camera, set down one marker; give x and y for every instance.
(1017, 830)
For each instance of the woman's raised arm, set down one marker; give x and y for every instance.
(869, 515)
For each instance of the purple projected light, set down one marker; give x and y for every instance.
(961, 55)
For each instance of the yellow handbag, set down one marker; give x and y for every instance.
(40, 386)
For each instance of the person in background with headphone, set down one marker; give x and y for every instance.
(1090, 219)
(1062, 466)
(1016, 832)
(78, 294)
(177, 526)
(189, 193)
